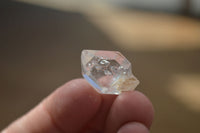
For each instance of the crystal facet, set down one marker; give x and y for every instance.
(109, 72)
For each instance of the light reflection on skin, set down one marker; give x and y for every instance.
(186, 89)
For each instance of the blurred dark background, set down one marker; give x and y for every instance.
(41, 42)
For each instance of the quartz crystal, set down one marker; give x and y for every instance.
(109, 72)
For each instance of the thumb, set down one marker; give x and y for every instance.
(68, 109)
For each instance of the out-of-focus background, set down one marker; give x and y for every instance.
(41, 42)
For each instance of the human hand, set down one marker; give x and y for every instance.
(77, 108)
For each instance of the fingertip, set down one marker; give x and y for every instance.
(77, 90)
(137, 100)
(67, 109)
(73, 104)
(129, 106)
(133, 127)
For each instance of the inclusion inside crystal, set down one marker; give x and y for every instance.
(109, 72)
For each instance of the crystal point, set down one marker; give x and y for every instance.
(109, 72)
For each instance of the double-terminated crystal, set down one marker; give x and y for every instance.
(108, 72)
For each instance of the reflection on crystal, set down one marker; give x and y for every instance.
(108, 72)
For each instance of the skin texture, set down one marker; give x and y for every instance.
(77, 108)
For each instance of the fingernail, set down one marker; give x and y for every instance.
(133, 127)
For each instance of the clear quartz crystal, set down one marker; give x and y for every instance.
(109, 72)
